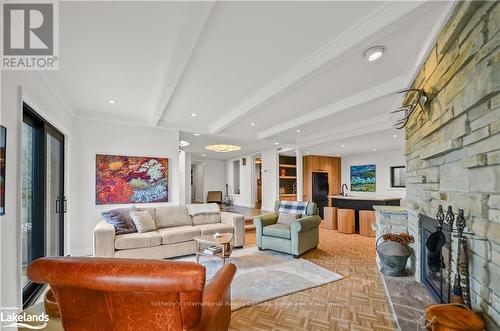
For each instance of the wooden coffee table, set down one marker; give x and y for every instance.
(224, 241)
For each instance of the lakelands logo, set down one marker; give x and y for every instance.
(9, 318)
(30, 36)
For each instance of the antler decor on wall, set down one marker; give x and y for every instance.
(420, 100)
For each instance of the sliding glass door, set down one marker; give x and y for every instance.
(43, 202)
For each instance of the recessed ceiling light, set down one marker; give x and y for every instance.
(276, 143)
(307, 152)
(221, 148)
(298, 130)
(203, 155)
(343, 145)
(252, 124)
(184, 143)
(196, 134)
(112, 101)
(374, 149)
(374, 53)
(193, 114)
(394, 136)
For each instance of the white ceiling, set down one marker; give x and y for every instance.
(281, 65)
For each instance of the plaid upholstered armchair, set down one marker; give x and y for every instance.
(293, 228)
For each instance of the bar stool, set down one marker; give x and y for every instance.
(329, 218)
(366, 219)
(345, 219)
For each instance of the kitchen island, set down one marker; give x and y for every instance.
(362, 203)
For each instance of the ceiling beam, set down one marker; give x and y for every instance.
(369, 125)
(187, 38)
(379, 19)
(368, 95)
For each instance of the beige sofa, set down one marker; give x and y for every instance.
(176, 227)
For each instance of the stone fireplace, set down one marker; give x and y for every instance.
(453, 146)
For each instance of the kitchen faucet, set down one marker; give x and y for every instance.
(344, 192)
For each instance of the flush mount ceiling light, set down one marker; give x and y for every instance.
(193, 114)
(298, 130)
(276, 143)
(394, 135)
(252, 124)
(343, 145)
(221, 148)
(112, 101)
(203, 155)
(183, 143)
(196, 134)
(374, 53)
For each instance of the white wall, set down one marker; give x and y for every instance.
(185, 177)
(270, 161)
(94, 137)
(246, 180)
(30, 87)
(198, 181)
(215, 177)
(383, 162)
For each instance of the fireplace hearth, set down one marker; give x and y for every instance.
(437, 282)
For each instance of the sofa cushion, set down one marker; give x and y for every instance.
(170, 216)
(277, 230)
(138, 240)
(204, 213)
(214, 227)
(178, 234)
(143, 221)
(120, 218)
(288, 218)
(151, 211)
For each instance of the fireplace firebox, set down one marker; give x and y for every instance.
(436, 282)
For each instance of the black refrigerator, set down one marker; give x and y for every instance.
(320, 190)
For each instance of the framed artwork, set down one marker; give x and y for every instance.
(3, 146)
(363, 178)
(398, 177)
(130, 179)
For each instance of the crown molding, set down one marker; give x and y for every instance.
(111, 118)
(187, 38)
(54, 85)
(379, 19)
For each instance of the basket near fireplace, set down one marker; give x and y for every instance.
(393, 253)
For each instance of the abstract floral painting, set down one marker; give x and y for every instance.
(363, 178)
(131, 179)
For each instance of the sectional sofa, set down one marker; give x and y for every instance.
(176, 227)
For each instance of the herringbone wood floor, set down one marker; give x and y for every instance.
(357, 302)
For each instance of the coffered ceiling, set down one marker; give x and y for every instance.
(295, 70)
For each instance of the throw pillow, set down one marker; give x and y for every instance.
(288, 218)
(120, 219)
(143, 221)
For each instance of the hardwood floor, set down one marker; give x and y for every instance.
(357, 302)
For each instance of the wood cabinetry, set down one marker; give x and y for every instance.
(328, 164)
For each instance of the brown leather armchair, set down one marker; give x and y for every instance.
(130, 294)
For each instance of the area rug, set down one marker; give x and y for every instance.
(265, 275)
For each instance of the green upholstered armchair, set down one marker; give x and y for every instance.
(297, 238)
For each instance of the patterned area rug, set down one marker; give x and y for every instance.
(266, 275)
